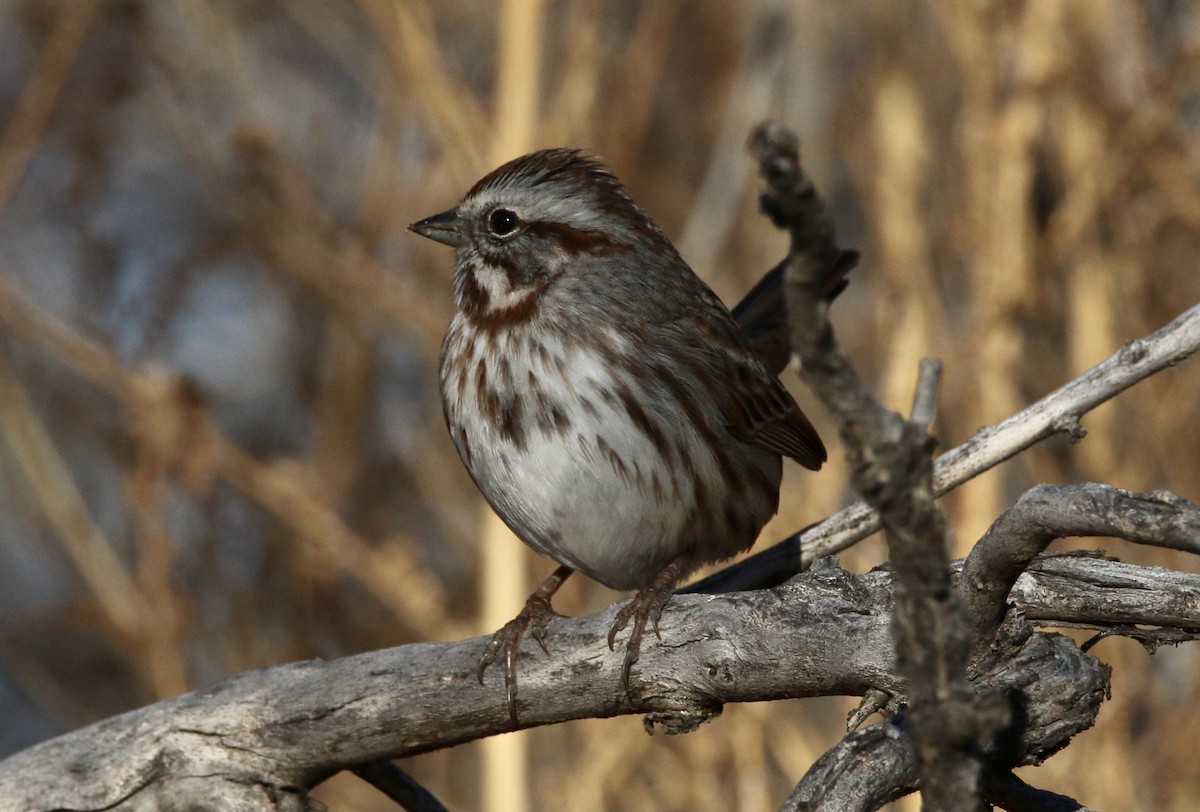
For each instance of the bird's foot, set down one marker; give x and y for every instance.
(647, 605)
(533, 617)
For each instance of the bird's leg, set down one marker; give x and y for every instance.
(647, 604)
(536, 613)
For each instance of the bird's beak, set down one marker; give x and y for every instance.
(444, 228)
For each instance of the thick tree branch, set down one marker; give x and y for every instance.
(892, 468)
(1049, 512)
(1098, 593)
(865, 770)
(278, 731)
(873, 766)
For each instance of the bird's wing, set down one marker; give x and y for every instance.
(756, 406)
(761, 412)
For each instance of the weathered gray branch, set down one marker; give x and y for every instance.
(870, 767)
(1097, 593)
(1001, 559)
(891, 466)
(1049, 512)
(269, 735)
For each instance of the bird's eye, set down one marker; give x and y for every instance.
(503, 222)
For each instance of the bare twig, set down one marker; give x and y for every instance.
(65, 509)
(893, 471)
(924, 406)
(49, 75)
(1059, 411)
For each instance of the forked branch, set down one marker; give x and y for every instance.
(892, 468)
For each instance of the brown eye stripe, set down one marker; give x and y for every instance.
(576, 240)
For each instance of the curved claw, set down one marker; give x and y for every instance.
(647, 605)
(489, 654)
(619, 623)
(633, 650)
(510, 682)
(539, 629)
(508, 639)
(537, 613)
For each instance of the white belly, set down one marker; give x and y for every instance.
(553, 449)
(589, 469)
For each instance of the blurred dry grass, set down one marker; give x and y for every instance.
(220, 439)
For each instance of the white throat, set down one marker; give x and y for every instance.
(501, 295)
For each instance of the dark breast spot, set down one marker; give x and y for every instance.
(614, 460)
(641, 419)
(730, 473)
(552, 418)
(504, 372)
(510, 420)
(558, 416)
(685, 398)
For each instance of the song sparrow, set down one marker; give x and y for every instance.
(602, 397)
